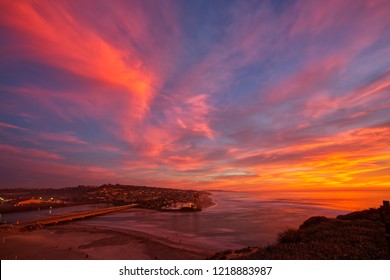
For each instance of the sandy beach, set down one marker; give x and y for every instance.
(74, 242)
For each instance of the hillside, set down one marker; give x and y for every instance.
(357, 235)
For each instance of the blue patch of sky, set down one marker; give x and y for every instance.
(13, 115)
(255, 79)
(203, 26)
(40, 75)
(367, 67)
(280, 6)
(94, 132)
(92, 157)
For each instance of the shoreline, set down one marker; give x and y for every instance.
(358, 235)
(77, 242)
(74, 241)
(206, 200)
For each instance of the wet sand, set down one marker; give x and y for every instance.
(75, 242)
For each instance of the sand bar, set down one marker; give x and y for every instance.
(75, 241)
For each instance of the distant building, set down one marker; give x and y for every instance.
(179, 206)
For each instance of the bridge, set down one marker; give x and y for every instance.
(35, 224)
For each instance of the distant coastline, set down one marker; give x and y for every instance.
(76, 241)
(357, 235)
(206, 200)
(19, 200)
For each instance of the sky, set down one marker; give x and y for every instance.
(238, 95)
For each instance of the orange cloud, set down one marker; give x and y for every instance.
(343, 159)
(293, 97)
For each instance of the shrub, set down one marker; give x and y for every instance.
(290, 236)
(313, 221)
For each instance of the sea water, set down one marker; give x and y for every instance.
(237, 220)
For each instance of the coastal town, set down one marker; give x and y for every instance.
(162, 199)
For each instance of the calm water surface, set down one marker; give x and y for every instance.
(236, 221)
(46, 213)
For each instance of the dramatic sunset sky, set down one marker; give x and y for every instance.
(242, 95)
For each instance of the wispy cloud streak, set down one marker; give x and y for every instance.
(238, 94)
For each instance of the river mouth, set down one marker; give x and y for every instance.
(236, 220)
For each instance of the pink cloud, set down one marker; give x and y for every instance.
(28, 153)
(55, 36)
(62, 137)
(317, 18)
(194, 115)
(41, 172)
(174, 119)
(322, 104)
(7, 125)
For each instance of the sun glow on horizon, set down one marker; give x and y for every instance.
(232, 95)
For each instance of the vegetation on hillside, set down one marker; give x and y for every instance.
(358, 235)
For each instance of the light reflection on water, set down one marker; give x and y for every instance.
(49, 212)
(236, 221)
(349, 200)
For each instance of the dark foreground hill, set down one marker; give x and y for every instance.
(355, 236)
